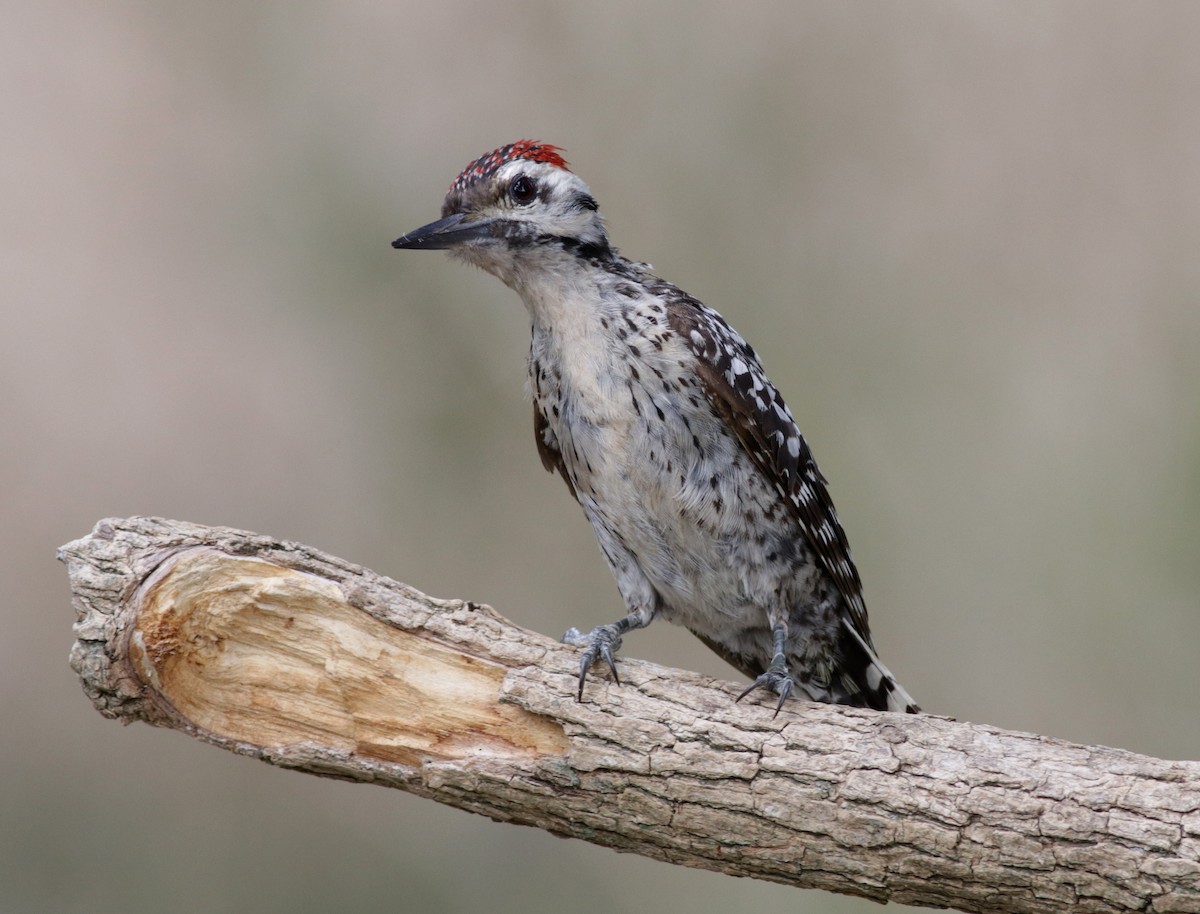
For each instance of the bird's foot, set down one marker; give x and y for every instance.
(777, 679)
(601, 643)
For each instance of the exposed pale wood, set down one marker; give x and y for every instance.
(275, 650)
(270, 656)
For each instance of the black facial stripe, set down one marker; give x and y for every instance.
(588, 250)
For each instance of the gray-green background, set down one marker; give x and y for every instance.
(963, 236)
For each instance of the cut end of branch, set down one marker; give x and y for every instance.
(272, 657)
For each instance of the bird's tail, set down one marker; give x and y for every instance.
(863, 679)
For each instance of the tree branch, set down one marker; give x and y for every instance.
(274, 650)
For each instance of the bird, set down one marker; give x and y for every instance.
(705, 498)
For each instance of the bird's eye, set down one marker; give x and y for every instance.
(523, 189)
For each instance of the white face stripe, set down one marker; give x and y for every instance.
(557, 179)
(556, 210)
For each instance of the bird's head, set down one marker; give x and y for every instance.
(513, 209)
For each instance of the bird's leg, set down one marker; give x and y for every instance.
(603, 642)
(777, 678)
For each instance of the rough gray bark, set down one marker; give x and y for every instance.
(274, 650)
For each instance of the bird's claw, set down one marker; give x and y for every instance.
(601, 643)
(777, 679)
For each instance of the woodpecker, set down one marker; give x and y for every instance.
(704, 496)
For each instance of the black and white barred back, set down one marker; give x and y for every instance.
(704, 496)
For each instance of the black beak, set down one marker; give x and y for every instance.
(445, 233)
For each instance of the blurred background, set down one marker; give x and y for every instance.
(963, 237)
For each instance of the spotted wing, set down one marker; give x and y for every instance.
(740, 392)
